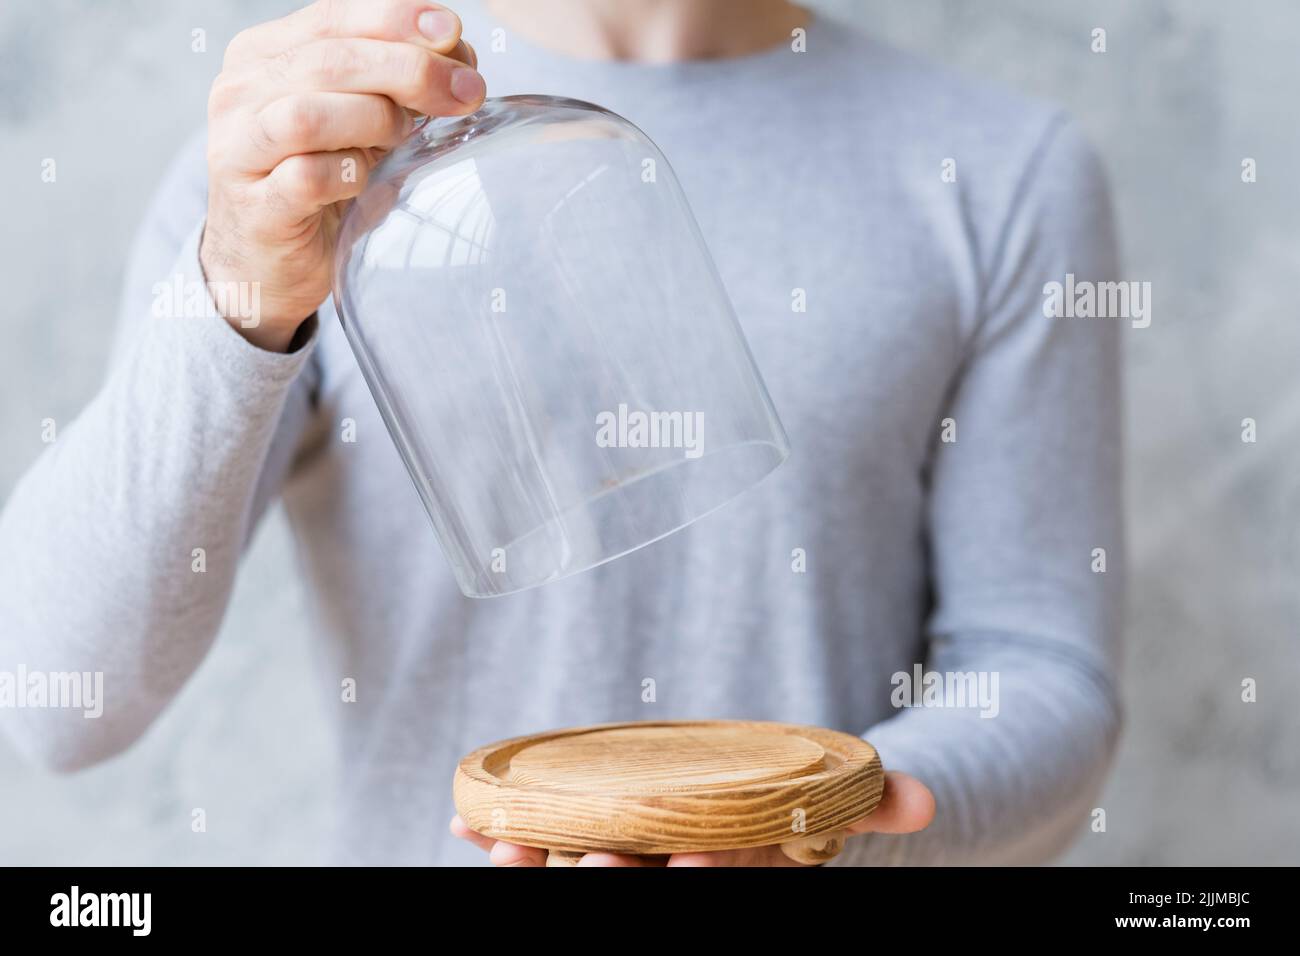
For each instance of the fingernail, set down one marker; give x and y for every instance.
(467, 85)
(438, 25)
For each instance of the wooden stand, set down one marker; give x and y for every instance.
(671, 787)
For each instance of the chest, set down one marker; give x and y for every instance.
(848, 300)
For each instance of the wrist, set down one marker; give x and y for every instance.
(271, 338)
(262, 320)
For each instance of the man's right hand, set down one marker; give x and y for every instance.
(297, 98)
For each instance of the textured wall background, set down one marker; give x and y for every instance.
(1185, 91)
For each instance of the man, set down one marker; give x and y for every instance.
(885, 231)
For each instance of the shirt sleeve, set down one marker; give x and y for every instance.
(1025, 537)
(119, 545)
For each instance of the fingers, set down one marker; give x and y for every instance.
(410, 21)
(302, 185)
(319, 122)
(465, 53)
(426, 82)
(758, 856)
(906, 806)
(511, 854)
(500, 853)
(459, 828)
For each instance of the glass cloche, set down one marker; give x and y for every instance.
(537, 316)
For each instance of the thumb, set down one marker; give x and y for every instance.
(907, 805)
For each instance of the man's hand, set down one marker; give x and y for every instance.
(905, 807)
(302, 110)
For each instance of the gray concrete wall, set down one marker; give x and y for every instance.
(1184, 92)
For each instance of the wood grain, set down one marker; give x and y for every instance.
(671, 787)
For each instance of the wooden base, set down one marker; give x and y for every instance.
(671, 787)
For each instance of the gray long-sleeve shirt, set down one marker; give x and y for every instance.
(878, 546)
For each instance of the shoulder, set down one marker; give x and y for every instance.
(999, 141)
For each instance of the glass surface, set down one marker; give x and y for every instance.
(547, 339)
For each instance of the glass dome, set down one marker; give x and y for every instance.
(534, 309)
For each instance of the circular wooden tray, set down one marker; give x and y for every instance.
(669, 787)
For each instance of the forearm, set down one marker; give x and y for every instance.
(1015, 788)
(1026, 542)
(118, 549)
